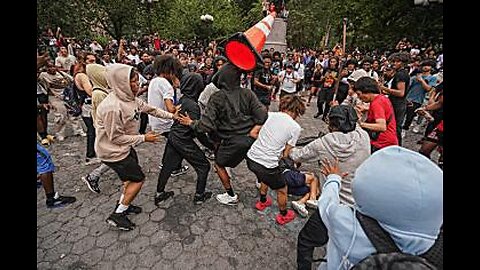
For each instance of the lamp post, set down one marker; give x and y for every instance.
(344, 34)
(207, 21)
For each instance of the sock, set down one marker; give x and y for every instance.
(283, 212)
(121, 208)
(50, 196)
(121, 198)
(230, 192)
(160, 193)
(43, 135)
(263, 198)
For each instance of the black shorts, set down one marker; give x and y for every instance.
(296, 183)
(128, 168)
(233, 150)
(273, 177)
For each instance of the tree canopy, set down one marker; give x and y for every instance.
(370, 24)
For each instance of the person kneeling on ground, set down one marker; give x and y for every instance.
(276, 138)
(346, 141)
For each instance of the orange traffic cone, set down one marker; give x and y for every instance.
(243, 49)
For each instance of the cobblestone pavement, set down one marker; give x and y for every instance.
(175, 235)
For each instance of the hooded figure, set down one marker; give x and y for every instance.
(232, 110)
(399, 188)
(180, 144)
(118, 116)
(233, 113)
(347, 141)
(118, 119)
(100, 89)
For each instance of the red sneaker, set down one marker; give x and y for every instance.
(282, 220)
(261, 206)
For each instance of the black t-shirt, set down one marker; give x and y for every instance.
(264, 77)
(400, 76)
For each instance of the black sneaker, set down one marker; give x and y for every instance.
(121, 221)
(163, 196)
(209, 154)
(199, 199)
(60, 201)
(133, 209)
(92, 183)
(180, 171)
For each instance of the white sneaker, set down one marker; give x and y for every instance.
(300, 208)
(224, 198)
(60, 138)
(258, 185)
(312, 203)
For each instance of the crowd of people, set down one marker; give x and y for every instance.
(137, 91)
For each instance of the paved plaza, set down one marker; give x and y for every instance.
(175, 235)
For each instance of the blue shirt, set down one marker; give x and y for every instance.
(417, 92)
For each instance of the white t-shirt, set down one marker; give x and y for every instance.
(158, 90)
(287, 83)
(278, 130)
(65, 62)
(135, 58)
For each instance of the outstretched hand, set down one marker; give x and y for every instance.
(329, 167)
(185, 119)
(152, 137)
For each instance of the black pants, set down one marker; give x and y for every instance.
(143, 123)
(410, 114)
(179, 166)
(313, 234)
(175, 152)
(321, 99)
(399, 110)
(90, 137)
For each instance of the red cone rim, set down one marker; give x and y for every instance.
(240, 55)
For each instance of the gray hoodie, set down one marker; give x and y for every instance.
(350, 148)
(118, 116)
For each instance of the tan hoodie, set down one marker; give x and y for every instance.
(98, 76)
(118, 116)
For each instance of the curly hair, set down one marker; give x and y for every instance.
(292, 103)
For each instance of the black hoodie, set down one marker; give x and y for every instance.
(232, 110)
(191, 86)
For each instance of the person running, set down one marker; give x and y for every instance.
(118, 120)
(275, 139)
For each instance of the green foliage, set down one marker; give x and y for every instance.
(371, 24)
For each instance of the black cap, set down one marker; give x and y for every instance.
(344, 116)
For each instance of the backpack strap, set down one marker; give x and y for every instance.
(99, 89)
(380, 239)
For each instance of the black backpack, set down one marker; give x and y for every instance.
(71, 99)
(389, 256)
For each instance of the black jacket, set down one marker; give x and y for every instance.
(232, 110)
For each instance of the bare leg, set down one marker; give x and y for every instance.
(47, 182)
(312, 182)
(130, 191)
(263, 189)
(222, 173)
(304, 199)
(427, 148)
(282, 198)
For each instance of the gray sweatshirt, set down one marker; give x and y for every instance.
(351, 149)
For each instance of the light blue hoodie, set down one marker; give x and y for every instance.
(401, 189)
